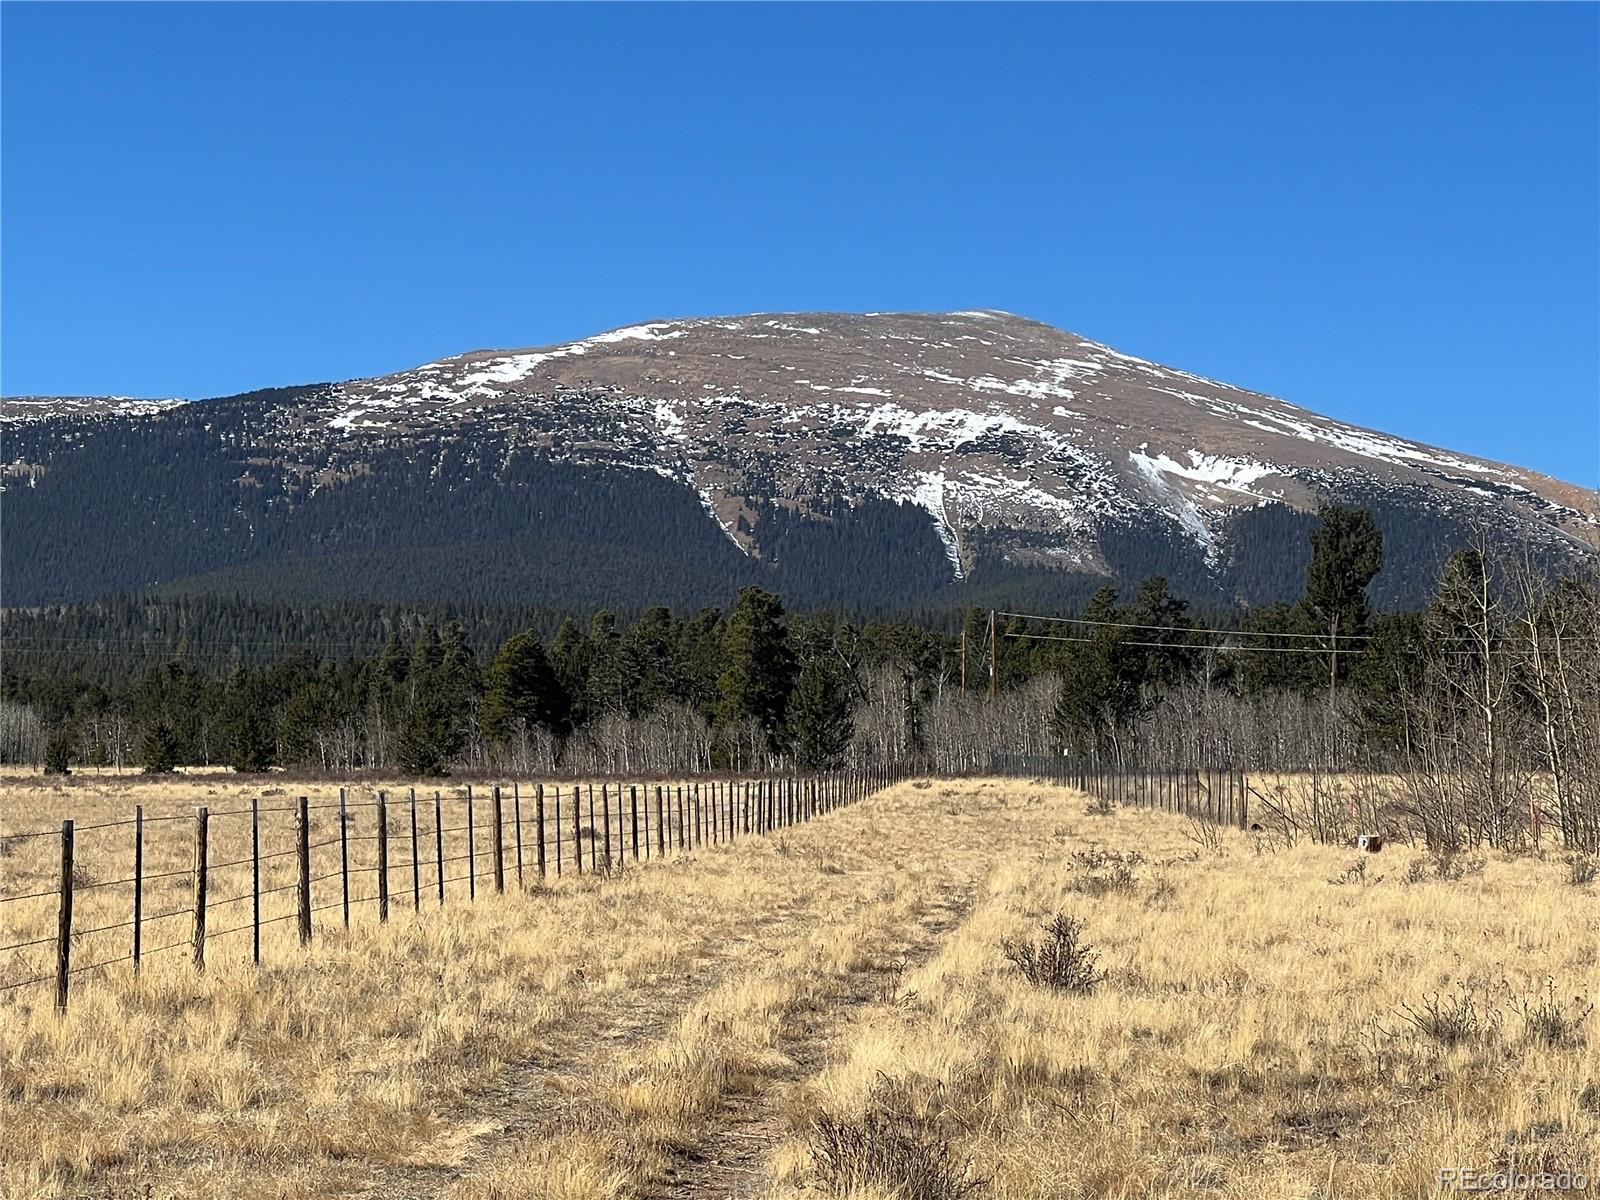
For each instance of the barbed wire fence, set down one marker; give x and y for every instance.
(400, 849)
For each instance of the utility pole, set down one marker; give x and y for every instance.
(993, 655)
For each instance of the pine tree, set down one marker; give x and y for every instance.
(158, 749)
(819, 719)
(569, 658)
(431, 735)
(58, 752)
(652, 659)
(1346, 553)
(251, 742)
(308, 711)
(1101, 693)
(606, 684)
(427, 654)
(760, 667)
(703, 643)
(392, 662)
(521, 685)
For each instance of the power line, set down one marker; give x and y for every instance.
(1236, 633)
(1056, 637)
(1176, 628)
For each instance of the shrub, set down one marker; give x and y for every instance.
(1450, 865)
(1162, 893)
(1096, 857)
(1548, 1019)
(1105, 871)
(1205, 835)
(1119, 878)
(1582, 869)
(886, 1149)
(1356, 872)
(1452, 1020)
(1062, 960)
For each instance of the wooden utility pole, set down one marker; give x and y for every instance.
(993, 656)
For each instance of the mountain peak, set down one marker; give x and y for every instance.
(1023, 446)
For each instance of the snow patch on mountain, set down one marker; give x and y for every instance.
(927, 492)
(1235, 474)
(19, 410)
(1179, 507)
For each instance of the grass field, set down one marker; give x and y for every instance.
(830, 1011)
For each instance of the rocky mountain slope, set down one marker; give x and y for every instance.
(961, 452)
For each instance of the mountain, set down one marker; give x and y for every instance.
(879, 460)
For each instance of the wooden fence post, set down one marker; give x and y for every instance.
(661, 828)
(633, 817)
(202, 821)
(538, 807)
(472, 851)
(680, 818)
(64, 919)
(255, 881)
(344, 859)
(302, 834)
(138, 884)
(499, 843)
(438, 842)
(605, 809)
(383, 857)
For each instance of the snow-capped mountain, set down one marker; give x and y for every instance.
(1023, 445)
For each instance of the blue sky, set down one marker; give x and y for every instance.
(1385, 213)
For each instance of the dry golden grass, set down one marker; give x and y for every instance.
(685, 1028)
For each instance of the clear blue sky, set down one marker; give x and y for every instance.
(1385, 213)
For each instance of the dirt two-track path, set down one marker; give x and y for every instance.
(866, 893)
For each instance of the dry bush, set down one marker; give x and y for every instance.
(888, 1147)
(1549, 1019)
(1103, 871)
(1582, 869)
(1205, 835)
(1162, 892)
(1453, 1020)
(1356, 872)
(1452, 866)
(1061, 960)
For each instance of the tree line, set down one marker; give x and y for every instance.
(1483, 697)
